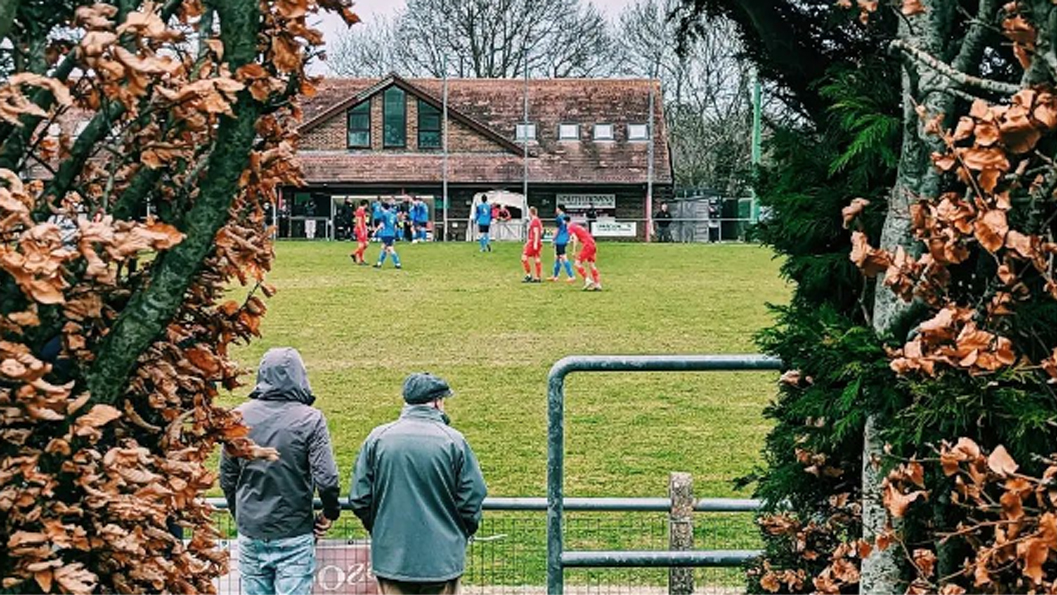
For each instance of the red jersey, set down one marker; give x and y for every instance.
(581, 234)
(535, 233)
(361, 223)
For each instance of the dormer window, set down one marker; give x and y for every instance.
(638, 132)
(568, 132)
(603, 132)
(360, 126)
(525, 132)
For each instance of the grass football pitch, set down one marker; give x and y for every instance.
(466, 316)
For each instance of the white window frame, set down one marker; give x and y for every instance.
(525, 131)
(608, 137)
(565, 127)
(645, 136)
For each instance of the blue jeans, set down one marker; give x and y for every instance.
(277, 566)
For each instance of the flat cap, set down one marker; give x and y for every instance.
(422, 388)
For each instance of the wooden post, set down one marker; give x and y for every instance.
(681, 530)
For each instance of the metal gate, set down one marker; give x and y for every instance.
(557, 558)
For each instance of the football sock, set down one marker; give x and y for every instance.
(396, 259)
(557, 268)
(583, 272)
(597, 277)
(569, 269)
(525, 265)
(381, 258)
(539, 269)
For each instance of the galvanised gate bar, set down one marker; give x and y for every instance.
(557, 558)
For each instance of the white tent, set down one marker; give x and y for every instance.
(513, 230)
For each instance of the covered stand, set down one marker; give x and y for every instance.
(513, 230)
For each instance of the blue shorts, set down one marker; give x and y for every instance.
(387, 241)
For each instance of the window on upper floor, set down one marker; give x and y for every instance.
(603, 132)
(525, 132)
(360, 126)
(568, 132)
(429, 133)
(394, 118)
(638, 132)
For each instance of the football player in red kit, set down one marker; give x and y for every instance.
(533, 247)
(587, 255)
(361, 233)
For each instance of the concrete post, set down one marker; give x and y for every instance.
(681, 530)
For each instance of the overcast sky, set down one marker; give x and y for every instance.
(369, 9)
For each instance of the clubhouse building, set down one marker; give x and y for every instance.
(588, 142)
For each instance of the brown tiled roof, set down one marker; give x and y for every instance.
(498, 105)
(468, 168)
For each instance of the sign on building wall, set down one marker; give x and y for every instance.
(614, 229)
(580, 202)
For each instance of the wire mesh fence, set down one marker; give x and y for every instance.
(508, 554)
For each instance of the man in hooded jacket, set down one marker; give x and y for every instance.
(271, 501)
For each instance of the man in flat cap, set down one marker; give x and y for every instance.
(418, 489)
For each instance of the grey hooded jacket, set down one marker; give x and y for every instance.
(273, 499)
(418, 489)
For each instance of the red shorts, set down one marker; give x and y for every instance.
(361, 238)
(587, 253)
(531, 252)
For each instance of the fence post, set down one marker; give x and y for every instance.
(681, 530)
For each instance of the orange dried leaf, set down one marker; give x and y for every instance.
(1001, 463)
(97, 417)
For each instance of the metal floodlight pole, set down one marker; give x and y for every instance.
(525, 119)
(757, 137)
(649, 170)
(557, 558)
(444, 166)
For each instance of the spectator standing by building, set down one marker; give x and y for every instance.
(271, 500)
(404, 211)
(592, 216)
(418, 490)
(310, 218)
(664, 222)
(483, 216)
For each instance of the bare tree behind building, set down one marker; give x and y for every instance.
(480, 39)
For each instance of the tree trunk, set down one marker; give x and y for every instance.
(915, 179)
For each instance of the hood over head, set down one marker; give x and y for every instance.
(282, 377)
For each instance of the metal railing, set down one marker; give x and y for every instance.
(679, 230)
(558, 558)
(508, 554)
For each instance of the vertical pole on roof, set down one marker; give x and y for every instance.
(444, 166)
(649, 170)
(757, 137)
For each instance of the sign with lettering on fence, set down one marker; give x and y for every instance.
(614, 229)
(580, 202)
(342, 568)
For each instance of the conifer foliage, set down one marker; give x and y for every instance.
(115, 324)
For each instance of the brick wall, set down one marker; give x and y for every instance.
(331, 135)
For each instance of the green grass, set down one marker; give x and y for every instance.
(465, 316)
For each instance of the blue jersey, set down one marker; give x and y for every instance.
(561, 237)
(484, 214)
(388, 220)
(376, 211)
(420, 213)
